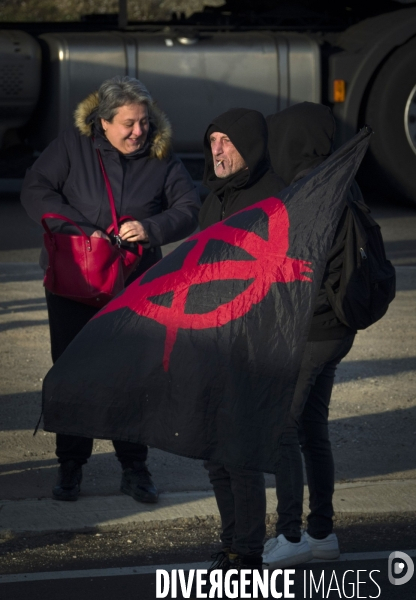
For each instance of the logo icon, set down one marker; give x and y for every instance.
(400, 569)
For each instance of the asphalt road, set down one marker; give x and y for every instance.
(347, 578)
(123, 563)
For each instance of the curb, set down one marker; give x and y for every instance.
(107, 512)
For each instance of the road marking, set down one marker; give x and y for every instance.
(150, 569)
(92, 573)
(348, 557)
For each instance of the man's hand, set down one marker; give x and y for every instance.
(133, 231)
(100, 234)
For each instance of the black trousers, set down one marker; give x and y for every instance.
(307, 432)
(66, 319)
(241, 500)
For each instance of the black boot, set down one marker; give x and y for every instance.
(250, 563)
(225, 561)
(69, 480)
(220, 561)
(136, 482)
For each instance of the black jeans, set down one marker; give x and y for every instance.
(241, 500)
(307, 425)
(66, 319)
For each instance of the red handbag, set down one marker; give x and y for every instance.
(88, 269)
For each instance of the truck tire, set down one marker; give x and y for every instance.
(391, 111)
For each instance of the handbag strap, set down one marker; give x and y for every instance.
(121, 220)
(68, 220)
(62, 218)
(110, 198)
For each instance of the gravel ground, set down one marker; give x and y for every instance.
(192, 542)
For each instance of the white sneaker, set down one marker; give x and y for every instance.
(327, 548)
(286, 554)
(271, 543)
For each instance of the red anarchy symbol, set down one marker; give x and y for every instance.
(271, 265)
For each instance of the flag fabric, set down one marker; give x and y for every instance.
(200, 355)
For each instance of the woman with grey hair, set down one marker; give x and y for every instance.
(150, 185)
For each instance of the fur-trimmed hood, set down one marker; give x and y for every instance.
(161, 141)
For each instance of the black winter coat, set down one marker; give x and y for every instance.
(247, 130)
(151, 185)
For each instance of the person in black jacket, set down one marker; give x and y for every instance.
(238, 174)
(235, 185)
(149, 184)
(301, 138)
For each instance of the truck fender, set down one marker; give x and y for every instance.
(364, 49)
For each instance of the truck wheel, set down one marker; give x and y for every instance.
(391, 112)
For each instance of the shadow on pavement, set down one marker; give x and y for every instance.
(23, 323)
(16, 306)
(401, 253)
(368, 369)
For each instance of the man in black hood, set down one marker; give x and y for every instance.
(237, 170)
(238, 174)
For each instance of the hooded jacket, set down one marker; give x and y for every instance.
(151, 184)
(247, 130)
(301, 137)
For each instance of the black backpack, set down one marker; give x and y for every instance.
(368, 280)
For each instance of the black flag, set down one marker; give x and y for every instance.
(200, 355)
